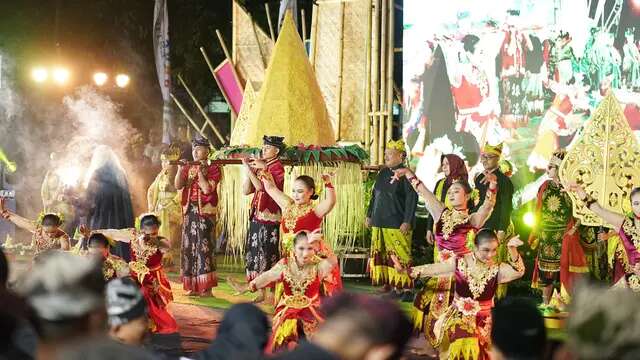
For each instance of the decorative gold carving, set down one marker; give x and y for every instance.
(477, 276)
(605, 161)
(450, 219)
(292, 213)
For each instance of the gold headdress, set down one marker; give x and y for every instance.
(396, 145)
(494, 150)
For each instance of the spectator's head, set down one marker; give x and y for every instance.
(363, 327)
(13, 313)
(67, 293)
(4, 270)
(98, 244)
(127, 311)
(518, 331)
(243, 334)
(604, 324)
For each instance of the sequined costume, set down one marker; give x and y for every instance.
(630, 237)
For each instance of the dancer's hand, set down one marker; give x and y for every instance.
(399, 173)
(84, 230)
(240, 289)
(246, 162)
(315, 236)
(489, 178)
(515, 242)
(326, 178)
(367, 222)
(429, 238)
(579, 190)
(2, 208)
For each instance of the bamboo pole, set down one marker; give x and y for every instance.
(224, 46)
(271, 32)
(375, 59)
(204, 113)
(186, 114)
(340, 75)
(390, 60)
(304, 26)
(366, 119)
(383, 79)
(314, 35)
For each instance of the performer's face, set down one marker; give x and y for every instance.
(301, 193)
(98, 250)
(393, 157)
(49, 230)
(489, 161)
(445, 167)
(200, 153)
(486, 251)
(635, 204)
(552, 172)
(304, 251)
(151, 230)
(457, 196)
(269, 151)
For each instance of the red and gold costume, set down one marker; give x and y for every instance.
(42, 243)
(298, 311)
(112, 266)
(625, 261)
(146, 269)
(263, 237)
(198, 266)
(297, 218)
(453, 230)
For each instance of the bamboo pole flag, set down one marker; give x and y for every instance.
(163, 65)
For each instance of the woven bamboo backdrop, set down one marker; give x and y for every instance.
(251, 47)
(339, 59)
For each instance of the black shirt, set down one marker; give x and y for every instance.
(501, 216)
(307, 351)
(392, 204)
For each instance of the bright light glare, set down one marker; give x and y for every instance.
(69, 175)
(61, 75)
(100, 78)
(39, 74)
(529, 219)
(122, 80)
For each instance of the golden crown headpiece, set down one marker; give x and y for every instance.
(396, 145)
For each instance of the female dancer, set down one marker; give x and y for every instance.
(147, 250)
(464, 328)
(300, 214)
(47, 234)
(627, 227)
(302, 273)
(454, 227)
(454, 169)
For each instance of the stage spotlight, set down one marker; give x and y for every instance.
(61, 75)
(100, 78)
(529, 219)
(122, 80)
(39, 74)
